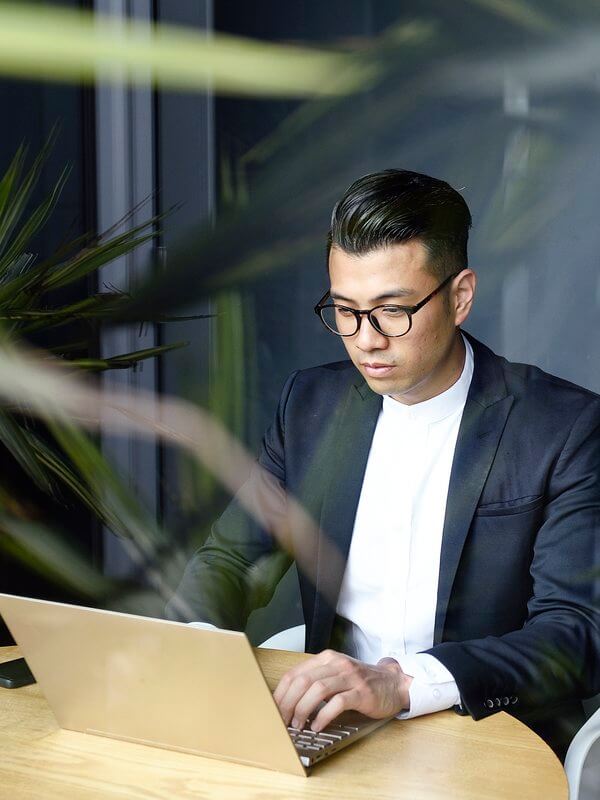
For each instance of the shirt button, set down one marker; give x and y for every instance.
(436, 693)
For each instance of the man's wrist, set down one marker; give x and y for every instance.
(403, 680)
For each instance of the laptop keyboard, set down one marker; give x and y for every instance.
(310, 744)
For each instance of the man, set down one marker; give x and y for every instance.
(455, 495)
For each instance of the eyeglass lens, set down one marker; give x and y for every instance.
(389, 320)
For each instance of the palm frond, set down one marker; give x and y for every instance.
(63, 456)
(34, 223)
(98, 307)
(47, 276)
(121, 511)
(18, 267)
(17, 441)
(53, 43)
(11, 177)
(126, 360)
(51, 555)
(20, 193)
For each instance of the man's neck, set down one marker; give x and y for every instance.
(455, 365)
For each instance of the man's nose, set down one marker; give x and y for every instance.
(368, 338)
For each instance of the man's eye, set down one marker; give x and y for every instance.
(343, 312)
(392, 311)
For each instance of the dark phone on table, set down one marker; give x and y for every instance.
(15, 673)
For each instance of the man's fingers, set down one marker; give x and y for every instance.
(338, 703)
(321, 689)
(297, 688)
(344, 683)
(300, 669)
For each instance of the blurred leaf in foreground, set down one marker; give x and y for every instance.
(61, 44)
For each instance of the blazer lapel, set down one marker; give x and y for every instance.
(484, 417)
(351, 442)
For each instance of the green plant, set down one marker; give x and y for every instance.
(56, 457)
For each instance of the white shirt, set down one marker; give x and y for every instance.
(389, 588)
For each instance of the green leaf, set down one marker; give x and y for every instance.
(38, 459)
(127, 359)
(35, 222)
(97, 306)
(62, 44)
(93, 260)
(121, 511)
(19, 198)
(58, 467)
(50, 554)
(11, 177)
(521, 14)
(18, 441)
(55, 464)
(47, 276)
(102, 253)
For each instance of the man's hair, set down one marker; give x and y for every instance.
(395, 206)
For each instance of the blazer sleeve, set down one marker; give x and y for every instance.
(225, 578)
(556, 654)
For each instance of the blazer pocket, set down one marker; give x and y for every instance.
(520, 505)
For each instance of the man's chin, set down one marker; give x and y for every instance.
(383, 386)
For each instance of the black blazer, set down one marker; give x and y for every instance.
(517, 619)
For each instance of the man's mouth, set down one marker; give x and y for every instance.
(375, 369)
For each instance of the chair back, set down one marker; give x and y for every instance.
(582, 763)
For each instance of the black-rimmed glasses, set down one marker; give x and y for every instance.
(389, 319)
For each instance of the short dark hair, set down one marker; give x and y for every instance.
(397, 205)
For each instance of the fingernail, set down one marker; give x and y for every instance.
(295, 723)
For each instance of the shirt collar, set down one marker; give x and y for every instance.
(440, 406)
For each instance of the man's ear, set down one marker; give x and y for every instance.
(463, 293)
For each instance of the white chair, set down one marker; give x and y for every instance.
(290, 639)
(582, 763)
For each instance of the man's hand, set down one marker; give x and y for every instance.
(344, 683)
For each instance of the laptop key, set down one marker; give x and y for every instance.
(329, 732)
(335, 726)
(311, 740)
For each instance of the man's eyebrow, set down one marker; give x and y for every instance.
(385, 296)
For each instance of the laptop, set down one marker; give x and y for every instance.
(165, 684)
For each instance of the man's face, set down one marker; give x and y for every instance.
(429, 358)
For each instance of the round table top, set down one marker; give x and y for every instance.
(434, 756)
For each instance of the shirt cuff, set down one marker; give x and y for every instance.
(433, 687)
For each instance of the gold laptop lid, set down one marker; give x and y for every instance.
(152, 681)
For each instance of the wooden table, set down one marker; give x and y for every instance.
(437, 756)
